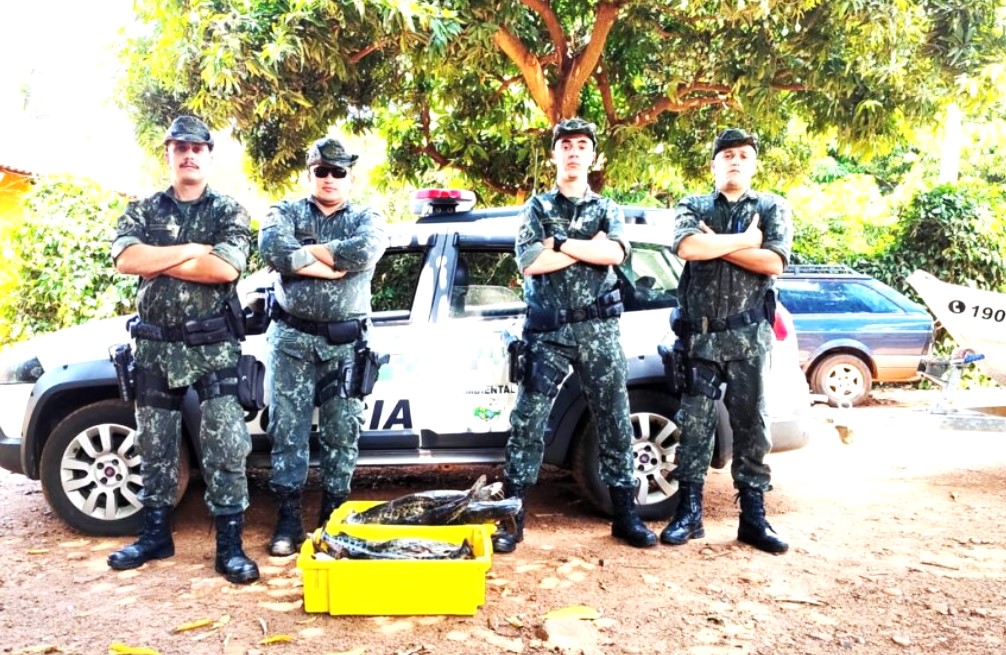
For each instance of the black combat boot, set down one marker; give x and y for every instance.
(625, 522)
(507, 536)
(687, 521)
(754, 529)
(231, 559)
(329, 504)
(289, 533)
(154, 542)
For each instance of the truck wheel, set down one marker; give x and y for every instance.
(90, 470)
(843, 378)
(655, 438)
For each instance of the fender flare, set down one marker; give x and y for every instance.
(90, 382)
(570, 408)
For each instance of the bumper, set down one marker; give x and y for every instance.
(10, 453)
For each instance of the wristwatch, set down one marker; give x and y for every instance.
(557, 241)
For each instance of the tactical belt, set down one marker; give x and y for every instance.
(338, 332)
(608, 305)
(685, 327)
(195, 332)
(704, 325)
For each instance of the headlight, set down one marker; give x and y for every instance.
(19, 366)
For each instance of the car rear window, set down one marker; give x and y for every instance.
(832, 297)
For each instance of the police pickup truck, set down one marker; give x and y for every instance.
(447, 298)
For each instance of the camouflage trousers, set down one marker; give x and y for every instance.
(596, 357)
(224, 446)
(293, 383)
(745, 401)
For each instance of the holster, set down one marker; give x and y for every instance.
(675, 368)
(355, 378)
(125, 370)
(251, 383)
(234, 316)
(367, 366)
(516, 361)
(256, 315)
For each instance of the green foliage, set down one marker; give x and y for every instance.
(474, 85)
(949, 233)
(841, 220)
(59, 270)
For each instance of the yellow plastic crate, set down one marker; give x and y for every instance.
(398, 587)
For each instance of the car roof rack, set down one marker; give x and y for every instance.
(820, 269)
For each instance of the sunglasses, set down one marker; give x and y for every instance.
(334, 171)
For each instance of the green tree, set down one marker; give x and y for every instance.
(949, 232)
(474, 84)
(60, 273)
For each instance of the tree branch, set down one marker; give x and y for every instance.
(434, 154)
(529, 67)
(552, 24)
(604, 87)
(585, 62)
(373, 47)
(650, 114)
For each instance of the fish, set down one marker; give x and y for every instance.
(342, 545)
(438, 507)
(485, 511)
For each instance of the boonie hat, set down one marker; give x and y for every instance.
(572, 126)
(190, 129)
(329, 151)
(733, 137)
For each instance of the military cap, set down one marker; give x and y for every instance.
(329, 151)
(733, 137)
(191, 129)
(572, 126)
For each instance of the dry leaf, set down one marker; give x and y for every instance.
(192, 625)
(574, 612)
(42, 648)
(549, 583)
(515, 621)
(222, 621)
(37, 551)
(119, 648)
(275, 639)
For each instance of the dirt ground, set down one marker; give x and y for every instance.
(898, 545)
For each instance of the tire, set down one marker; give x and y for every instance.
(844, 379)
(90, 470)
(654, 446)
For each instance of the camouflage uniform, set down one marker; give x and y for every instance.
(298, 360)
(592, 346)
(162, 220)
(716, 288)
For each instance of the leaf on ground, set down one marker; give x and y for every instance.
(37, 551)
(515, 621)
(574, 612)
(119, 648)
(288, 606)
(192, 625)
(275, 639)
(549, 583)
(222, 621)
(41, 648)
